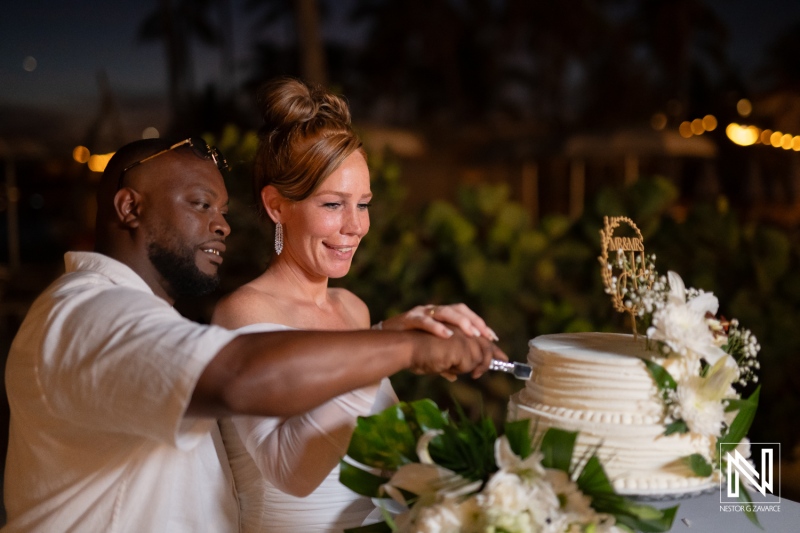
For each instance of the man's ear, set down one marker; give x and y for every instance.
(127, 204)
(274, 203)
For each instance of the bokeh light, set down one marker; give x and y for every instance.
(710, 122)
(659, 121)
(98, 162)
(150, 133)
(742, 135)
(81, 154)
(685, 129)
(697, 127)
(744, 107)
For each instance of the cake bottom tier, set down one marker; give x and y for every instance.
(638, 458)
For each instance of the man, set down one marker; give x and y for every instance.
(113, 394)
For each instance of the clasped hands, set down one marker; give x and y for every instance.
(444, 321)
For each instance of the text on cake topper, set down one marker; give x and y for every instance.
(627, 269)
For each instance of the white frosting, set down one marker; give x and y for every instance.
(597, 384)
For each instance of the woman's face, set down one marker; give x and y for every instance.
(322, 232)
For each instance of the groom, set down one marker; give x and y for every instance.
(113, 394)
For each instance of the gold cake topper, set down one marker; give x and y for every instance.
(628, 268)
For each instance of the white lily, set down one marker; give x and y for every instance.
(682, 326)
(700, 399)
(509, 461)
(426, 478)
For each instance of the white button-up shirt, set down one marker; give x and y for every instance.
(98, 378)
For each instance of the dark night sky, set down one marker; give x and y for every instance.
(73, 40)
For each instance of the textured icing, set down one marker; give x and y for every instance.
(597, 384)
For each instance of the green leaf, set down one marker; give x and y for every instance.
(679, 426)
(557, 446)
(466, 448)
(663, 379)
(641, 518)
(593, 479)
(745, 498)
(360, 481)
(698, 464)
(384, 440)
(428, 416)
(518, 434)
(741, 424)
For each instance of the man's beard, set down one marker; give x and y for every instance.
(180, 271)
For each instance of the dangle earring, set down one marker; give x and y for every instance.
(278, 238)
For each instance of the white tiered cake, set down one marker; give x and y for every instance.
(597, 384)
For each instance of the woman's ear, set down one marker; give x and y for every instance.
(127, 204)
(274, 203)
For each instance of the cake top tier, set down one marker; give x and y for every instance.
(594, 347)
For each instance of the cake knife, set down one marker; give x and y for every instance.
(519, 370)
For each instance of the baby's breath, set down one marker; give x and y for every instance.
(686, 342)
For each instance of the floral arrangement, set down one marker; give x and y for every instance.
(700, 362)
(435, 474)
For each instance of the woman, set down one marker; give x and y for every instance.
(311, 180)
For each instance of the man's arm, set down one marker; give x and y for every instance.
(286, 373)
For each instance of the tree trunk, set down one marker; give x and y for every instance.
(309, 42)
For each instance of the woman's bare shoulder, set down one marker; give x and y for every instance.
(244, 306)
(353, 305)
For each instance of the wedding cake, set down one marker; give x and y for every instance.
(597, 384)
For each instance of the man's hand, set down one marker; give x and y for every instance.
(457, 355)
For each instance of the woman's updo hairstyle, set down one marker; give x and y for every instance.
(305, 137)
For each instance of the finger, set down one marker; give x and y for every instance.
(448, 376)
(486, 354)
(464, 318)
(414, 318)
(437, 328)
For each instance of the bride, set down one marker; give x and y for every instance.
(312, 181)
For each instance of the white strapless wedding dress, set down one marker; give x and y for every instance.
(270, 457)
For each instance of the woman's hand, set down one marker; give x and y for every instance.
(439, 319)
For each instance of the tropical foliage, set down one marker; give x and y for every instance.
(457, 475)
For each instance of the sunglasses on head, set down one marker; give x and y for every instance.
(198, 145)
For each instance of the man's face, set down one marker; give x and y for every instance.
(184, 222)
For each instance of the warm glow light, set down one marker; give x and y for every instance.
(710, 122)
(796, 143)
(659, 121)
(786, 142)
(98, 162)
(150, 133)
(744, 107)
(742, 135)
(697, 127)
(685, 129)
(765, 135)
(775, 139)
(81, 154)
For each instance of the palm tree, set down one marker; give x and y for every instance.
(176, 22)
(306, 15)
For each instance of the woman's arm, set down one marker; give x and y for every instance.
(296, 454)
